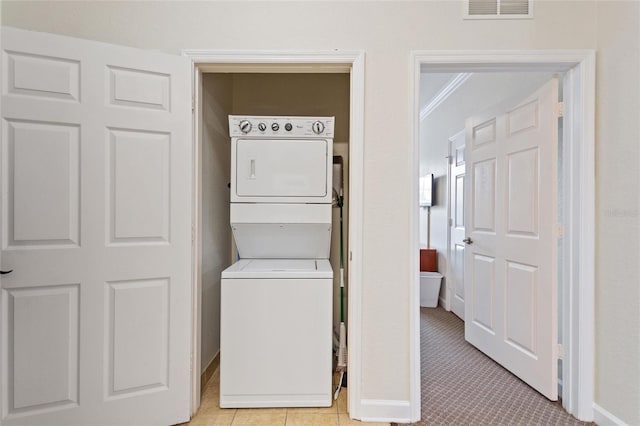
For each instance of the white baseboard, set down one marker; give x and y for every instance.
(207, 373)
(442, 302)
(602, 417)
(385, 410)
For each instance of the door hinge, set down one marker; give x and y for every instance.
(193, 104)
(350, 256)
(450, 222)
(559, 230)
(560, 109)
(560, 351)
(193, 233)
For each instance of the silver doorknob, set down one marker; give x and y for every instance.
(468, 241)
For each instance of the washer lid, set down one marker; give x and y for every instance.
(279, 268)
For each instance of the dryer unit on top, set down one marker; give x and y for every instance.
(281, 186)
(281, 159)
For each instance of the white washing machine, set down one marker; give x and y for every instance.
(276, 301)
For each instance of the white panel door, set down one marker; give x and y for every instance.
(96, 208)
(510, 261)
(456, 224)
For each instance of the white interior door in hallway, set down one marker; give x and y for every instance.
(510, 258)
(96, 225)
(456, 223)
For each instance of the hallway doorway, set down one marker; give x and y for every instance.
(577, 270)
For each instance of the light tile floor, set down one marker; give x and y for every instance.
(210, 414)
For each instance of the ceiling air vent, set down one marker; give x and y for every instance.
(498, 9)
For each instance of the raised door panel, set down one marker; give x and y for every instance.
(41, 76)
(483, 283)
(484, 196)
(41, 358)
(42, 181)
(458, 267)
(137, 344)
(139, 182)
(459, 155)
(484, 133)
(138, 88)
(521, 289)
(458, 202)
(522, 118)
(523, 187)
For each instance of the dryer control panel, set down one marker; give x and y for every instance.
(281, 127)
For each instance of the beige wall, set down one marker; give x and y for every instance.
(294, 94)
(215, 231)
(387, 32)
(618, 210)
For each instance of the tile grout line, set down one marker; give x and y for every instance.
(235, 413)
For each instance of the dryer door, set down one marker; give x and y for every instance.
(270, 169)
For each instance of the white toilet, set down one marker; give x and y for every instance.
(429, 289)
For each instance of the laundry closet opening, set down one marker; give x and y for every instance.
(275, 93)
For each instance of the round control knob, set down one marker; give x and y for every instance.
(317, 127)
(262, 127)
(288, 127)
(245, 126)
(275, 127)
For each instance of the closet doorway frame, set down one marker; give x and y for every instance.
(578, 276)
(273, 61)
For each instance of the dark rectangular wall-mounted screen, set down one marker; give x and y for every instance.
(426, 190)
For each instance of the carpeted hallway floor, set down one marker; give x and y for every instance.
(462, 386)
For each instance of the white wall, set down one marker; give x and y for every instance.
(387, 32)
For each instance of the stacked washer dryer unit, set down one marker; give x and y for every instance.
(276, 300)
